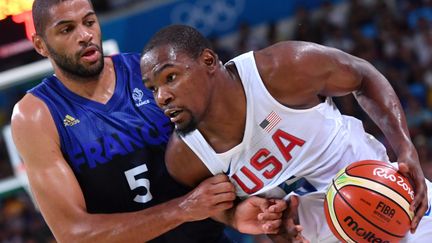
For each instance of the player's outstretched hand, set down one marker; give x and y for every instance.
(291, 228)
(210, 197)
(257, 215)
(410, 168)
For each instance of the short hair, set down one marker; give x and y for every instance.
(182, 38)
(40, 10)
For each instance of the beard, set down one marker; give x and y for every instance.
(187, 128)
(71, 66)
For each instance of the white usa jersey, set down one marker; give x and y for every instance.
(286, 150)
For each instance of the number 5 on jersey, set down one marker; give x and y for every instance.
(136, 183)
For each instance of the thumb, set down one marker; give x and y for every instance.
(259, 202)
(292, 213)
(294, 201)
(263, 204)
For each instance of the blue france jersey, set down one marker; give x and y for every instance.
(116, 150)
(111, 147)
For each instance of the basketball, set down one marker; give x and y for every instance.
(368, 201)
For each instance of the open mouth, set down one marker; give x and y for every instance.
(173, 114)
(90, 54)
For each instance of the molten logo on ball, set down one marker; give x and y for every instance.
(367, 235)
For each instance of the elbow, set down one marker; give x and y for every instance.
(77, 233)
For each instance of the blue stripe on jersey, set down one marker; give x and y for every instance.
(428, 211)
(300, 186)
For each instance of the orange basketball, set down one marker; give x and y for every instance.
(369, 201)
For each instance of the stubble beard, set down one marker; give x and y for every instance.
(72, 68)
(187, 128)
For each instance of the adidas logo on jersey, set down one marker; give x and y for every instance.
(70, 121)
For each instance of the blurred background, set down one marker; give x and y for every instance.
(394, 35)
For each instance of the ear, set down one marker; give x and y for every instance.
(209, 58)
(39, 45)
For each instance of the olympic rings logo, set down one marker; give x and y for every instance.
(208, 15)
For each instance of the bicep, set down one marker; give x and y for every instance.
(52, 181)
(346, 73)
(183, 164)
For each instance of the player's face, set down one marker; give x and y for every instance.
(73, 39)
(179, 84)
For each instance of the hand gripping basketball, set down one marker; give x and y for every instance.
(369, 201)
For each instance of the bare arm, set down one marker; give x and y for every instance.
(301, 72)
(183, 164)
(61, 201)
(186, 168)
(379, 100)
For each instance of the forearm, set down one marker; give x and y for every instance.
(377, 97)
(379, 100)
(210, 197)
(140, 226)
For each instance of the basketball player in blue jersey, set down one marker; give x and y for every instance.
(267, 120)
(93, 142)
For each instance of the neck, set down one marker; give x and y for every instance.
(224, 123)
(99, 88)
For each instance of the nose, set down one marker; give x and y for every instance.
(84, 35)
(164, 96)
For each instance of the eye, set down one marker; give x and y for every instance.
(89, 23)
(151, 88)
(66, 30)
(170, 78)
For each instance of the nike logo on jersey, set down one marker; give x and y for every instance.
(229, 169)
(69, 121)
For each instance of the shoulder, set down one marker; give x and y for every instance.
(293, 54)
(296, 72)
(31, 117)
(30, 109)
(130, 61)
(183, 164)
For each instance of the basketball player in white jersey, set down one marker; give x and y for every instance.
(267, 120)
